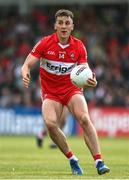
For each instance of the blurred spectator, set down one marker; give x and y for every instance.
(103, 29)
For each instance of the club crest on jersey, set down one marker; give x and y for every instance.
(72, 55)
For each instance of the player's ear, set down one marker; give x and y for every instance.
(73, 27)
(55, 26)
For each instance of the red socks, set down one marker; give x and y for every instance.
(97, 156)
(69, 154)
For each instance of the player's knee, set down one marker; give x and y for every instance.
(84, 120)
(51, 125)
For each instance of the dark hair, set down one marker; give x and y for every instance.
(64, 12)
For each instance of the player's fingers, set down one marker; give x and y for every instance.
(26, 81)
(94, 77)
(92, 82)
(26, 84)
(26, 78)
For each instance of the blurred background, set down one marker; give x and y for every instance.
(103, 26)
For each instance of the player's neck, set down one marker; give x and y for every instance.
(64, 41)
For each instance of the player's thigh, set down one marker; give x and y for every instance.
(78, 106)
(51, 111)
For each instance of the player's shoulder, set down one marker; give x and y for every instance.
(46, 38)
(76, 41)
(80, 46)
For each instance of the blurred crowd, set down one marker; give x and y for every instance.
(103, 29)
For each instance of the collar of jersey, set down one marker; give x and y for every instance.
(57, 40)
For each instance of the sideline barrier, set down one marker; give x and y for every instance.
(28, 121)
(109, 122)
(20, 121)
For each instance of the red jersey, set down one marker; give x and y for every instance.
(56, 63)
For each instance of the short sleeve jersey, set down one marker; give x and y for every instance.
(56, 63)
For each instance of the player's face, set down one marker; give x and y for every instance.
(64, 26)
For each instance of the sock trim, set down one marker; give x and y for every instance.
(69, 154)
(97, 156)
(74, 157)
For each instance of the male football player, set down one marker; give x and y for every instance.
(59, 53)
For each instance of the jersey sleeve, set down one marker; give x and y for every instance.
(38, 49)
(82, 53)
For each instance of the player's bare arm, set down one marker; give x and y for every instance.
(28, 64)
(92, 82)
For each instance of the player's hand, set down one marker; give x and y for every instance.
(25, 78)
(92, 82)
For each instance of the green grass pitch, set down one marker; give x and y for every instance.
(20, 158)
